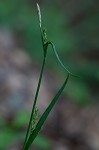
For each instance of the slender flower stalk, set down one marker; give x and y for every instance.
(35, 100)
(40, 78)
(33, 132)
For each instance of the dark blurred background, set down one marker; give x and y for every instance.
(73, 26)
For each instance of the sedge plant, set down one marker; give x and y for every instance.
(34, 124)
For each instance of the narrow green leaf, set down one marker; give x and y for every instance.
(56, 54)
(45, 115)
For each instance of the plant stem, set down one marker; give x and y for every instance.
(35, 100)
(45, 115)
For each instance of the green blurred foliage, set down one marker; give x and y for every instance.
(6, 138)
(73, 26)
(15, 133)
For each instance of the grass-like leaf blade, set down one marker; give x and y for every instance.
(45, 115)
(57, 56)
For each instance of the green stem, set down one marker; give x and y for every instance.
(35, 100)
